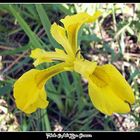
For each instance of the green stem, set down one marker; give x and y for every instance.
(46, 121)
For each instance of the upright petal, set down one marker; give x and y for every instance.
(73, 23)
(59, 35)
(29, 92)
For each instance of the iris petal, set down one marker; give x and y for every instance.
(84, 67)
(59, 35)
(109, 74)
(106, 101)
(29, 92)
(73, 23)
(42, 56)
(109, 91)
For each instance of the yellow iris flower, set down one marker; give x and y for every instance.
(109, 91)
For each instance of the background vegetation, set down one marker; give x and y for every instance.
(114, 38)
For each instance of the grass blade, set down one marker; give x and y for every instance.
(46, 24)
(32, 36)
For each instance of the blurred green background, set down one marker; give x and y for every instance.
(114, 38)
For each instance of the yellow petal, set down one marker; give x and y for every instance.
(59, 35)
(29, 92)
(105, 100)
(111, 76)
(73, 23)
(37, 52)
(84, 67)
(28, 96)
(109, 91)
(42, 56)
